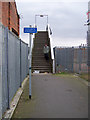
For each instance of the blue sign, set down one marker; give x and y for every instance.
(30, 30)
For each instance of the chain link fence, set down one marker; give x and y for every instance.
(71, 59)
(13, 66)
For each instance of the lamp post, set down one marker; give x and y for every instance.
(40, 16)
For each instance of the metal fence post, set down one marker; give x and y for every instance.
(8, 104)
(20, 66)
(54, 61)
(72, 59)
(30, 65)
(1, 95)
(79, 57)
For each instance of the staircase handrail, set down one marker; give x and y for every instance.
(50, 33)
(52, 52)
(33, 36)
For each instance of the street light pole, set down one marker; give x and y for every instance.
(35, 20)
(47, 19)
(30, 64)
(30, 31)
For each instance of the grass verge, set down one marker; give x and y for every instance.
(63, 74)
(84, 76)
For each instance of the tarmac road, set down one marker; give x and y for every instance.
(63, 96)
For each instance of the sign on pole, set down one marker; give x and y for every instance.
(30, 30)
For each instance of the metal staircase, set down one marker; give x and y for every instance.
(39, 63)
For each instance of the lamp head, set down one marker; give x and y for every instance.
(41, 15)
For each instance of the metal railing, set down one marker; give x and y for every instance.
(52, 52)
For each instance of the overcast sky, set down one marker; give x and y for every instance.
(66, 19)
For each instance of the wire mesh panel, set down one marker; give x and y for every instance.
(13, 66)
(64, 59)
(4, 69)
(71, 59)
(76, 62)
(24, 60)
(80, 60)
(84, 65)
(88, 42)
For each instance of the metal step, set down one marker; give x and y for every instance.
(38, 60)
(33, 68)
(43, 71)
(40, 65)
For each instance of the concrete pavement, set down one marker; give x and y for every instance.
(63, 96)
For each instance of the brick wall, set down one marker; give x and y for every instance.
(5, 13)
(0, 11)
(9, 16)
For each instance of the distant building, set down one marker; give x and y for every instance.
(88, 32)
(9, 16)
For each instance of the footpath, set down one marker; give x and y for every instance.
(63, 96)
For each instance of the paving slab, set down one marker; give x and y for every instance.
(53, 96)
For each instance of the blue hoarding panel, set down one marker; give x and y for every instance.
(30, 30)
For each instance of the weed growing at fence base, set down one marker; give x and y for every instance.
(84, 76)
(63, 74)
